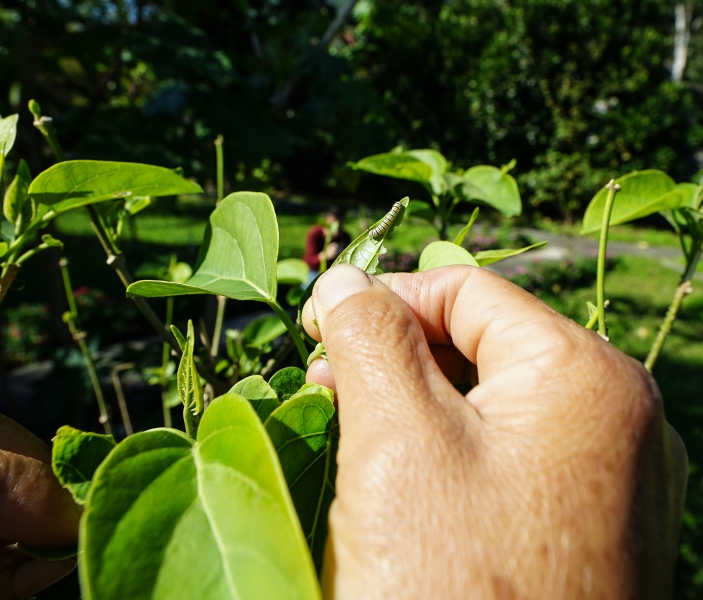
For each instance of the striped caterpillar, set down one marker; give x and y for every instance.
(386, 222)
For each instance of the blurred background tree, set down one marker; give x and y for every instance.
(576, 91)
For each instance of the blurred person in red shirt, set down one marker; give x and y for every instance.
(326, 242)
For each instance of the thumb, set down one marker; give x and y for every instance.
(382, 366)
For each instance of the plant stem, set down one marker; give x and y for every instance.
(71, 319)
(189, 423)
(292, 329)
(165, 352)
(592, 321)
(682, 290)
(27, 255)
(612, 188)
(120, 396)
(217, 332)
(220, 168)
(8, 276)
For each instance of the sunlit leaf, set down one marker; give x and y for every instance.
(304, 434)
(499, 189)
(487, 257)
(240, 259)
(8, 132)
(397, 165)
(169, 519)
(287, 382)
(641, 193)
(17, 200)
(75, 183)
(437, 163)
(261, 395)
(442, 254)
(292, 271)
(75, 456)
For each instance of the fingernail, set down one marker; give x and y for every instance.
(338, 284)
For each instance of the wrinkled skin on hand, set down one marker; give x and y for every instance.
(34, 510)
(555, 477)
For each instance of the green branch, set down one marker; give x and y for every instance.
(613, 188)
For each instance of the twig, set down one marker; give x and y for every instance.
(682, 291)
(71, 319)
(220, 168)
(217, 331)
(120, 396)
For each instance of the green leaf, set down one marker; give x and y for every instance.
(4, 247)
(294, 295)
(170, 519)
(641, 193)
(304, 434)
(292, 271)
(287, 382)
(487, 257)
(462, 189)
(187, 377)
(437, 163)
(75, 183)
(8, 132)
(240, 259)
(420, 209)
(459, 239)
(261, 395)
(75, 456)
(500, 189)
(364, 251)
(179, 337)
(399, 165)
(263, 330)
(16, 199)
(136, 204)
(442, 254)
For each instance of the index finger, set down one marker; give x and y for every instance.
(492, 322)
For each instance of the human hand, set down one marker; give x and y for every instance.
(34, 510)
(332, 250)
(555, 477)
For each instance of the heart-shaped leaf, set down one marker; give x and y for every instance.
(499, 189)
(364, 251)
(641, 193)
(292, 271)
(75, 183)
(240, 258)
(305, 434)
(487, 257)
(442, 254)
(287, 382)
(75, 456)
(168, 519)
(260, 394)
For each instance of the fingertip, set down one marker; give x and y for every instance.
(309, 321)
(320, 373)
